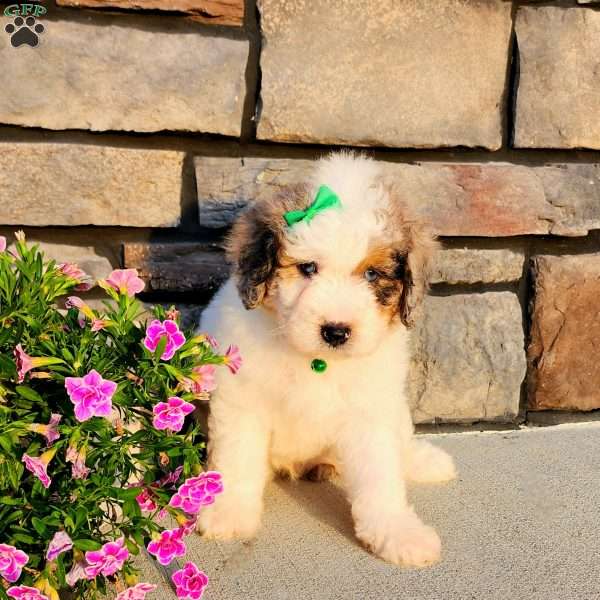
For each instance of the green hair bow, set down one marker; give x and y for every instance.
(325, 198)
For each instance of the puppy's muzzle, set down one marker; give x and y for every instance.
(335, 334)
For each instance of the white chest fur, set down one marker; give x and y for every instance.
(304, 411)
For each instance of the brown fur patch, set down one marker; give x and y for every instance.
(379, 258)
(289, 270)
(412, 246)
(255, 244)
(420, 248)
(387, 287)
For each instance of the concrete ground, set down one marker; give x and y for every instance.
(521, 521)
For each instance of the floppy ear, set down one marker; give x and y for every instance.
(255, 245)
(253, 249)
(413, 266)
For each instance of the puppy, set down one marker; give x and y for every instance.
(334, 270)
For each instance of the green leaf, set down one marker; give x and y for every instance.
(127, 493)
(15, 471)
(6, 444)
(39, 525)
(23, 403)
(28, 393)
(160, 348)
(132, 546)
(138, 537)
(52, 521)
(172, 370)
(15, 515)
(131, 509)
(22, 537)
(96, 424)
(67, 356)
(60, 572)
(69, 522)
(86, 545)
(10, 501)
(80, 516)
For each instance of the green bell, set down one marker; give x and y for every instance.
(318, 365)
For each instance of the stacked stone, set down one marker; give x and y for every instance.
(134, 138)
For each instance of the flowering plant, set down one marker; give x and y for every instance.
(97, 445)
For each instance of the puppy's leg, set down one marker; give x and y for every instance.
(427, 463)
(238, 450)
(371, 463)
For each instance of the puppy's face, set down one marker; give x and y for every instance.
(335, 284)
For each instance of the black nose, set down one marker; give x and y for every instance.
(335, 334)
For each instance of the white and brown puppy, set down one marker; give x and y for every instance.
(341, 285)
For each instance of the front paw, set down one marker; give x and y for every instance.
(229, 518)
(402, 539)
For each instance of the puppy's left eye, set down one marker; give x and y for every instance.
(371, 275)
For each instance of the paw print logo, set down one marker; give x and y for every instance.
(24, 31)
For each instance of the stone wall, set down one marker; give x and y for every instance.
(134, 132)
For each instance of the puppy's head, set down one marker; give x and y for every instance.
(338, 282)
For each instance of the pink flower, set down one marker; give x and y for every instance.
(168, 546)
(12, 562)
(203, 379)
(169, 329)
(24, 592)
(197, 492)
(74, 302)
(211, 341)
(76, 573)
(171, 414)
(170, 478)
(106, 561)
(38, 466)
(162, 513)
(99, 324)
(190, 581)
(77, 458)
(126, 281)
(24, 363)
(144, 499)
(91, 395)
(52, 433)
(61, 542)
(49, 431)
(73, 272)
(79, 470)
(2, 243)
(71, 454)
(233, 359)
(137, 592)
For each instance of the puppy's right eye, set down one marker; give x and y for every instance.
(307, 269)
